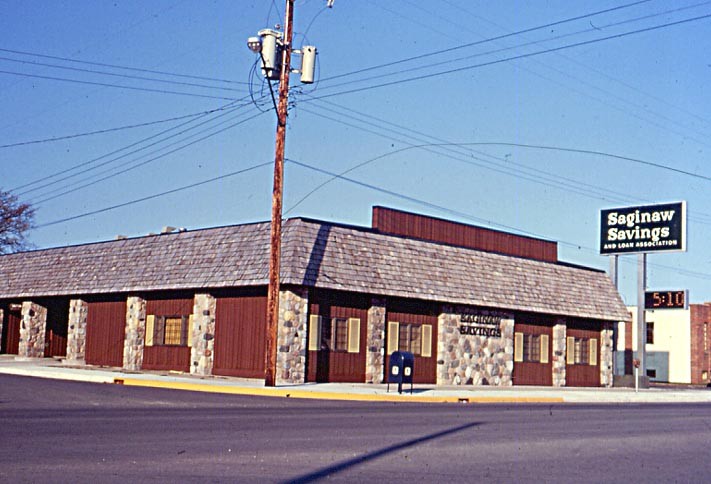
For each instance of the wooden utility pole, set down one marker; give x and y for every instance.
(275, 235)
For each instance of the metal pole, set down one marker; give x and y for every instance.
(275, 234)
(641, 319)
(615, 328)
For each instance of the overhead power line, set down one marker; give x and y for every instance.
(111, 173)
(110, 130)
(114, 74)
(421, 67)
(118, 86)
(479, 42)
(467, 216)
(449, 149)
(151, 197)
(517, 57)
(115, 66)
(227, 107)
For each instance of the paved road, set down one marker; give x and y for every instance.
(57, 431)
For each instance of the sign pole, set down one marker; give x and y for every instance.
(641, 318)
(614, 259)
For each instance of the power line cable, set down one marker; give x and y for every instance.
(124, 148)
(508, 48)
(550, 179)
(118, 86)
(113, 74)
(467, 216)
(114, 66)
(521, 56)
(110, 130)
(151, 197)
(125, 155)
(500, 37)
(112, 173)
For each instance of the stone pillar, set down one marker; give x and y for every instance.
(466, 359)
(606, 355)
(292, 337)
(375, 346)
(135, 333)
(203, 335)
(32, 330)
(76, 331)
(559, 352)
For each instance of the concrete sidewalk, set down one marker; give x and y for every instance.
(56, 369)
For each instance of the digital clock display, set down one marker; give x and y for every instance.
(665, 300)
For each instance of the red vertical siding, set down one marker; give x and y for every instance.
(105, 333)
(396, 222)
(240, 329)
(168, 357)
(57, 326)
(528, 372)
(425, 367)
(338, 366)
(11, 332)
(584, 375)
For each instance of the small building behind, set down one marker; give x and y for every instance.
(677, 344)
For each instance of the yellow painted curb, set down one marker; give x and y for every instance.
(294, 393)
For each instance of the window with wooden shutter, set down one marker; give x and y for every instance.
(544, 348)
(314, 332)
(393, 334)
(593, 352)
(150, 328)
(353, 335)
(426, 340)
(518, 347)
(570, 350)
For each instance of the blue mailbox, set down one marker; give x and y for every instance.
(401, 369)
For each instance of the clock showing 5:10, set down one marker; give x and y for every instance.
(666, 299)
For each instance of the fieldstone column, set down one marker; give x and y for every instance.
(559, 352)
(32, 330)
(606, 355)
(203, 335)
(375, 346)
(135, 333)
(291, 337)
(468, 359)
(76, 331)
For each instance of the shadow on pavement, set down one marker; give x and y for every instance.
(333, 469)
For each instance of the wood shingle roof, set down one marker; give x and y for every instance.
(313, 254)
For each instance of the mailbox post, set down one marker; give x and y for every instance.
(401, 369)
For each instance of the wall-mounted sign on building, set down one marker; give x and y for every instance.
(648, 228)
(481, 324)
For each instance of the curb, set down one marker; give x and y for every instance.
(315, 395)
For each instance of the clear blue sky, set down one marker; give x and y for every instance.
(638, 95)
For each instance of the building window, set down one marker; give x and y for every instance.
(532, 347)
(651, 373)
(167, 330)
(337, 335)
(581, 351)
(650, 333)
(413, 338)
(410, 338)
